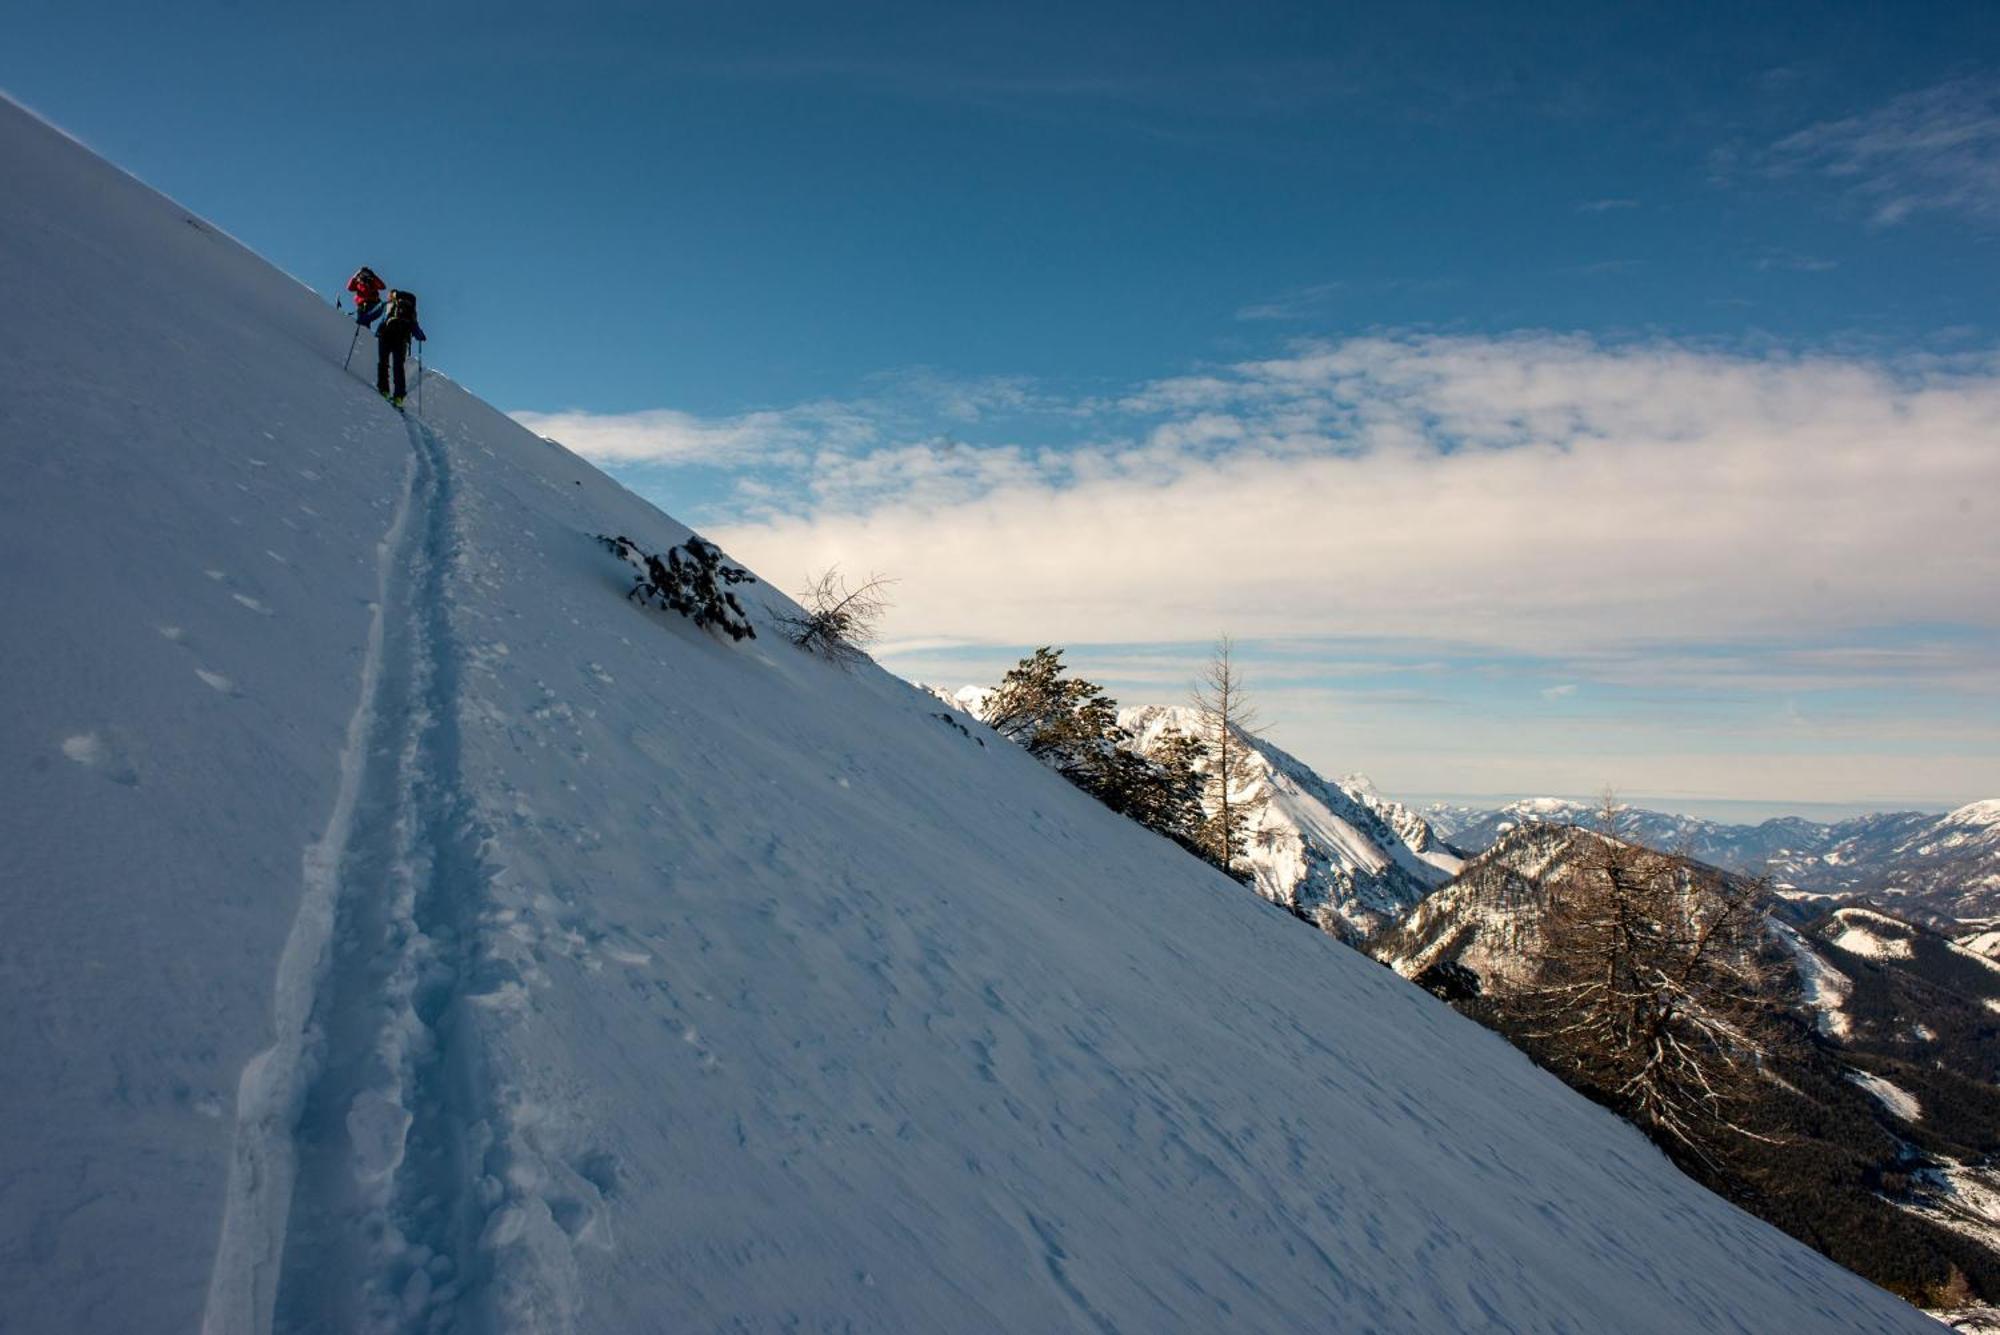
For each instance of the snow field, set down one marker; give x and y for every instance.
(1826, 988)
(1899, 1101)
(1871, 935)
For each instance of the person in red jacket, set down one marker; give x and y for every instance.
(367, 290)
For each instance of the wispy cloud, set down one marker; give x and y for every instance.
(892, 412)
(1298, 304)
(1933, 150)
(1606, 205)
(1795, 262)
(1604, 268)
(1316, 300)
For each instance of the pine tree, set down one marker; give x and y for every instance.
(1063, 721)
(1071, 725)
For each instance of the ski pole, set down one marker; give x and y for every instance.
(420, 377)
(350, 347)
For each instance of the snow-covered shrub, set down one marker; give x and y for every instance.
(690, 580)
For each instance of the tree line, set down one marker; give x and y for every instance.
(1195, 788)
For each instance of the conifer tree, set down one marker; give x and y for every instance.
(1063, 721)
(1071, 725)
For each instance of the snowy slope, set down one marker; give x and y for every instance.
(405, 931)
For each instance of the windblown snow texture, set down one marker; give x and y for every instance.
(406, 931)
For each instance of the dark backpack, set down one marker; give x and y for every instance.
(402, 308)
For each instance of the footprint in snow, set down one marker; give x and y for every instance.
(378, 1127)
(94, 751)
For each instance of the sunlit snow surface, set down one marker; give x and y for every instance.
(1825, 988)
(1873, 935)
(1899, 1101)
(490, 953)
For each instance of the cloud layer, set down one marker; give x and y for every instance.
(1540, 493)
(1660, 560)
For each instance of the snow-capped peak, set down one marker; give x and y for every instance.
(1985, 812)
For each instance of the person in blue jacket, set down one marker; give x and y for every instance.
(392, 342)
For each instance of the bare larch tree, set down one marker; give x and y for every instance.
(1657, 989)
(1226, 717)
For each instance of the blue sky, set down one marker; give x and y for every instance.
(1602, 395)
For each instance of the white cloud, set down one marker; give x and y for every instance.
(1538, 493)
(1561, 692)
(1935, 149)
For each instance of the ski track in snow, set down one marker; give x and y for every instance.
(359, 1189)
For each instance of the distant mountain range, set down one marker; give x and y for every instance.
(1937, 868)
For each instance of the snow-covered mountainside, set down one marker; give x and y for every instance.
(405, 931)
(1336, 853)
(1981, 936)
(1921, 996)
(1941, 867)
(1947, 867)
(1488, 919)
